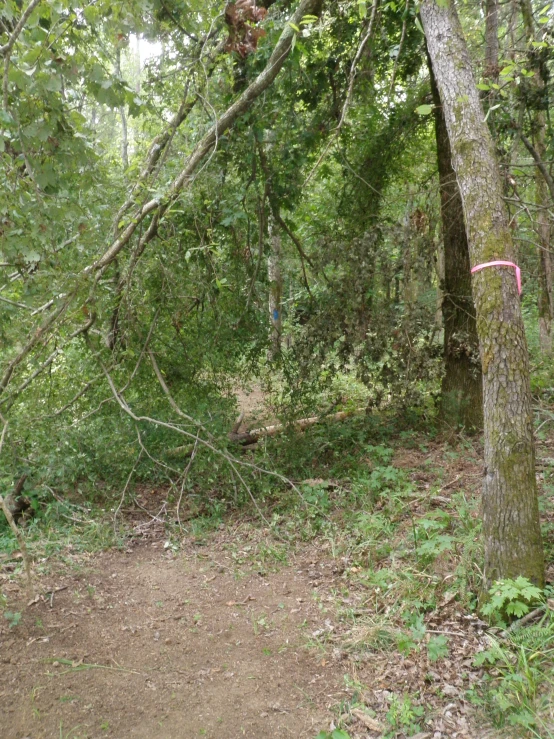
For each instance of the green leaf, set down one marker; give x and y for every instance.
(419, 26)
(53, 84)
(6, 119)
(437, 647)
(482, 86)
(418, 628)
(405, 644)
(424, 109)
(362, 8)
(517, 609)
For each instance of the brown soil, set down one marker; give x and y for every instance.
(216, 642)
(146, 643)
(224, 639)
(253, 403)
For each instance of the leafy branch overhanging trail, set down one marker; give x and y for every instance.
(157, 207)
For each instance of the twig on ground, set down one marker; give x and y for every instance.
(129, 478)
(185, 476)
(523, 621)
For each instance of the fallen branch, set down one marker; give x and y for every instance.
(520, 623)
(251, 437)
(247, 438)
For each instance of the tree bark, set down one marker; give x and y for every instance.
(513, 544)
(461, 401)
(492, 47)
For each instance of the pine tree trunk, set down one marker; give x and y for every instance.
(511, 526)
(462, 389)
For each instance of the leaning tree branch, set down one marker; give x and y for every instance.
(6, 50)
(19, 27)
(159, 206)
(10, 399)
(34, 339)
(350, 91)
(161, 143)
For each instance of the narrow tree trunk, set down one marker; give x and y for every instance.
(275, 279)
(542, 200)
(492, 46)
(492, 49)
(123, 116)
(545, 305)
(462, 389)
(511, 525)
(439, 271)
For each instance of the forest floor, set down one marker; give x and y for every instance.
(212, 641)
(232, 632)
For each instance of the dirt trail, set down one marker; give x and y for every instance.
(182, 648)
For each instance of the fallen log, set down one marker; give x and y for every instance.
(250, 438)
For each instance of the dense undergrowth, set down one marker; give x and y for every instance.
(393, 501)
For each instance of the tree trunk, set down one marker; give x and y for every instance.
(462, 389)
(492, 47)
(537, 85)
(545, 258)
(123, 115)
(275, 279)
(513, 544)
(491, 67)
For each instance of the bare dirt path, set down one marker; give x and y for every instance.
(148, 643)
(235, 634)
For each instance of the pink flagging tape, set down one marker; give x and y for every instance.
(500, 263)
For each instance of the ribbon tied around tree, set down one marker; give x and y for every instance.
(501, 263)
